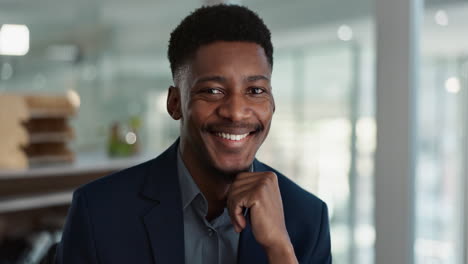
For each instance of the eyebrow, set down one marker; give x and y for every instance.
(211, 79)
(254, 78)
(221, 79)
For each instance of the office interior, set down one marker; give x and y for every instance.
(105, 60)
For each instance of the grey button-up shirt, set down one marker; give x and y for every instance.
(213, 242)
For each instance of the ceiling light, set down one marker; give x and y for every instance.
(14, 40)
(452, 85)
(441, 18)
(345, 33)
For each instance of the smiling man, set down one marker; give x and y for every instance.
(206, 199)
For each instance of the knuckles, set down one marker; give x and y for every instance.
(269, 178)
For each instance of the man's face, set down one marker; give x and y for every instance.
(226, 105)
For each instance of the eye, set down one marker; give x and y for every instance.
(213, 91)
(256, 90)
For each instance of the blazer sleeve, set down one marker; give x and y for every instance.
(321, 253)
(77, 244)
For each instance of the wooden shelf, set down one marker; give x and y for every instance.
(85, 163)
(13, 204)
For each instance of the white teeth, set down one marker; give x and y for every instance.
(232, 136)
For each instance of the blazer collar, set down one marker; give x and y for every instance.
(164, 221)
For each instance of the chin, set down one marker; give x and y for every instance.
(229, 171)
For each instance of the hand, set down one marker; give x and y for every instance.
(259, 191)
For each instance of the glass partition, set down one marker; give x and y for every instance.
(442, 142)
(323, 136)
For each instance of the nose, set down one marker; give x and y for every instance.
(235, 108)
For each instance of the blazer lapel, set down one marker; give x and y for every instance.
(249, 251)
(164, 222)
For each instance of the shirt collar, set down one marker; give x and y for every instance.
(188, 187)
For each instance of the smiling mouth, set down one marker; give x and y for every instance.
(233, 137)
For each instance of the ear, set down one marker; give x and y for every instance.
(173, 103)
(273, 103)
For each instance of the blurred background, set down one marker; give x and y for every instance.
(105, 60)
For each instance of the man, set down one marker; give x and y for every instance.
(206, 199)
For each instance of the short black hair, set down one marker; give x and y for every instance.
(221, 22)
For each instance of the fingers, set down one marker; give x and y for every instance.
(239, 218)
(243, 180)
(247, 177)
(245, 192)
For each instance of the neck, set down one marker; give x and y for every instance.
(213, 185)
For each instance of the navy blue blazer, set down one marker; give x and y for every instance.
(135, 216)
